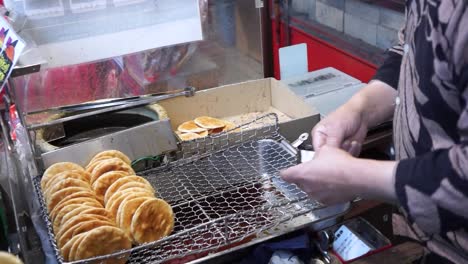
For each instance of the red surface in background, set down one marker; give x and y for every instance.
(75, 84)
(321, 54)
(62, 86)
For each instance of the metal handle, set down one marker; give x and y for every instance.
(114, 106)
(302, 138)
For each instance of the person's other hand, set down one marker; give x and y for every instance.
(326, 178)
(346, 128)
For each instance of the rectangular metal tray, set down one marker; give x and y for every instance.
(221, 195)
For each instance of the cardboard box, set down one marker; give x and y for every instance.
(244, 102)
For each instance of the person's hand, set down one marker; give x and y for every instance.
(326, 178)
(346, 128)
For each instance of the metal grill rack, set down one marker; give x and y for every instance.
(224, 190)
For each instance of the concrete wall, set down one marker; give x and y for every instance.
(370, 23)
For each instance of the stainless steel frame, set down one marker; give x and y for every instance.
(229, 191)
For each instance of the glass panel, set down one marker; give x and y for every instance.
(351, 25)
(230, 52)
(77, 31)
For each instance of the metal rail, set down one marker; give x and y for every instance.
(108, 107)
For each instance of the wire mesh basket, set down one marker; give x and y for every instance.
(224, 190)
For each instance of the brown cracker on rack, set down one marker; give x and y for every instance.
(80, 228)
(126, 211)
(114, 154)
(74, 247)
(114, 164)
(72, 199)
(208, 122)
(63, 194)
(90, 167)
(116, 185)
(60, 185)
(61, 213)
(129, 185)
(189, 136)
(97, 211)
(68, 210)
(152, 220)
(57, 168)
(73, 174)
(102, 241)
(65, 250)
(101, 185)
(228, 126)
(190, 127)
(86, 210)
(118, 197)
(215, 131)
(75, 220)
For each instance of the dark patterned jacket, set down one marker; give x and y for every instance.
(429, 68)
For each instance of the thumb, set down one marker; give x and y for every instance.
(292, 174)
(322, 136)
(319, 136)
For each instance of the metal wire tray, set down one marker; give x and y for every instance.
(224, 190)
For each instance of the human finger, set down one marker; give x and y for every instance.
(355, 148)
(293, 174)
(319, 137)
(346, 146)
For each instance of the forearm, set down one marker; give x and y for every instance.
(373, 179)
(376, 103)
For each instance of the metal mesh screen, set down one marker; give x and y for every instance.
(225, 190)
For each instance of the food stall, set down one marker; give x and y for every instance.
(146, 132)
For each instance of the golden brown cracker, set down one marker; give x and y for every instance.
(70, 208)
(60, 185)
(101, 185)
(84, 209)
(228, 126)
(71, 199)
(74, 247)
(73, 174)
(114, 154)
(63, 211)
(98, 211)
(190, 127)
(73, 221)
(90, 167)
(129, 185)
(57, 168)
(118, 197)
(102, 241)
(126, 211)
(80, 228)
(203, 134)
(65, 250)
(153, 220)
(113, 164)
(189, 136)
(63, 194)
(116, 185)
(215, 131)
(208, 122)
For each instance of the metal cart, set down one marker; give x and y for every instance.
(225, 189)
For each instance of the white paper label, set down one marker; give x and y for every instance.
(347, 245)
